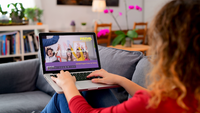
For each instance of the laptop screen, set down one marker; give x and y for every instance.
(69, 52)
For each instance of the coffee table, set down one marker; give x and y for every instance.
(135, 47)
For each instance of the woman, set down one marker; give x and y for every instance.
(174, 88)
(85, 53)
(79, 54)
(68, 57)
(86, 56)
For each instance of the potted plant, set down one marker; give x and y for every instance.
(124, 39)
(83, 26)
(3, 18)
(73, 26)
(34, 15)
(16, 14)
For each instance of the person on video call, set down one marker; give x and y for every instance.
(85, 53)
(48, 42)
(51, 55)
(79, 54)
(69, 56)
(174, 77)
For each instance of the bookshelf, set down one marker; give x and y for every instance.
(36, 28)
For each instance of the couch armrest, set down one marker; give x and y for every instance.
(18, 76)
(41, 82)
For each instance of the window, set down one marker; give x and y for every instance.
(26, 4)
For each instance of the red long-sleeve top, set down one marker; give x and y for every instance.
(137, 104)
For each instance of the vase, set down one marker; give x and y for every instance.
(31, 22)
(16, 19)
(83, 27)
(128, 42)
(4, 19)
(73, 28)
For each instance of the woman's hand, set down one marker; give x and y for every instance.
(64, 79)
(108, 78)
(67, 82)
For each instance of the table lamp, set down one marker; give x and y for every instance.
(98, 6)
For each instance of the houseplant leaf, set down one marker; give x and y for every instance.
(119, 32)
(4, 12)
(118, 39)
(132, 34)
(0, 9)
(8, 5)
(123, 41)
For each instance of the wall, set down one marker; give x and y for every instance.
(60, 16)
(151, 7)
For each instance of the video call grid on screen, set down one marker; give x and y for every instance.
(69, 52)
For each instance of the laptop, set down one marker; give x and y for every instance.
(73, 52)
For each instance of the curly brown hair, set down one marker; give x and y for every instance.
(174, 37)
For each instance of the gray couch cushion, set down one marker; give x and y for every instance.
(23, 102)
(41, 82)
(142, 69)
(19, 76)
(119, 62)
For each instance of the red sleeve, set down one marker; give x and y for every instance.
(136, 104)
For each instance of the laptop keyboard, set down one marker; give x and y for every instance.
(80, 76)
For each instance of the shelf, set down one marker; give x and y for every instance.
(28, 54)
(7, 56)
(23, 27)
(37, 29)
(19, 55)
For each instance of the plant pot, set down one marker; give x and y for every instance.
(83, 27)
(73, 28)
(4, 19)
(128, 42)
(39, 23)
(31, 22)
(25, 20)
(16, 19)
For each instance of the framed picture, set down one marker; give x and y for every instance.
(86, 2)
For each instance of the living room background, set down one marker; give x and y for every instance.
(59, 17)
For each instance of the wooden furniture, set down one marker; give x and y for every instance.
(104, 39)
(22, 28)
(140, 47)
(141, 32)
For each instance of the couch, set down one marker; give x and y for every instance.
(23, 88)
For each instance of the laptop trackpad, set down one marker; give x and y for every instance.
(88, 85)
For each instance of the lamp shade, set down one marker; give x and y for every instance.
(98, 5)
